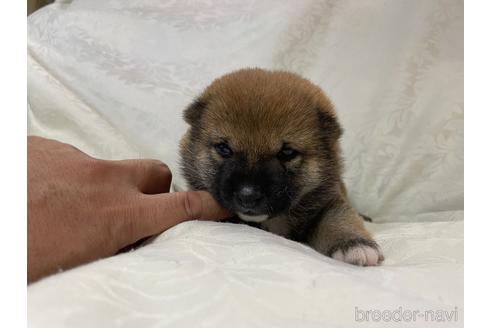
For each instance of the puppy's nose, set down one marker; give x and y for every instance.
(249, 196)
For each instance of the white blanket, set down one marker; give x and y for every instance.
(112, 78)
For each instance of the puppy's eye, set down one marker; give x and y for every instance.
(223, 150)
(286, 154)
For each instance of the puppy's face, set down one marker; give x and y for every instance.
(259, 140)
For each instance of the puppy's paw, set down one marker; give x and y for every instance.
(360, 252)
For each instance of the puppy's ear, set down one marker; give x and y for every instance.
(330, 128)
(193, 113)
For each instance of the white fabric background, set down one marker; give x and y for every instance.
(112, 78)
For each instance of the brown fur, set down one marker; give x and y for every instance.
(256, 112)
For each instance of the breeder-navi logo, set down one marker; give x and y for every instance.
(405, 315)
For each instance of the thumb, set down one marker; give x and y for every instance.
(160, 212)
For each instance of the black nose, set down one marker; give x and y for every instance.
(249, 197)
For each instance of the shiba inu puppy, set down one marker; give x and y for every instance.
(266, 145)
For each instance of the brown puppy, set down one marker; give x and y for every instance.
(266, 145)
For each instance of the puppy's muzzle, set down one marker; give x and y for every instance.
(249, 199)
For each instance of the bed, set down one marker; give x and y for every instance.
(112, 78)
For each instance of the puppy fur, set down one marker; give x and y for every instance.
(275, 134)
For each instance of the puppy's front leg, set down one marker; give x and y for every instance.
(341, 235)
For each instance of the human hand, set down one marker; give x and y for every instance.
(81, 209)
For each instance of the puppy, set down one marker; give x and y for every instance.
(266, 145)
